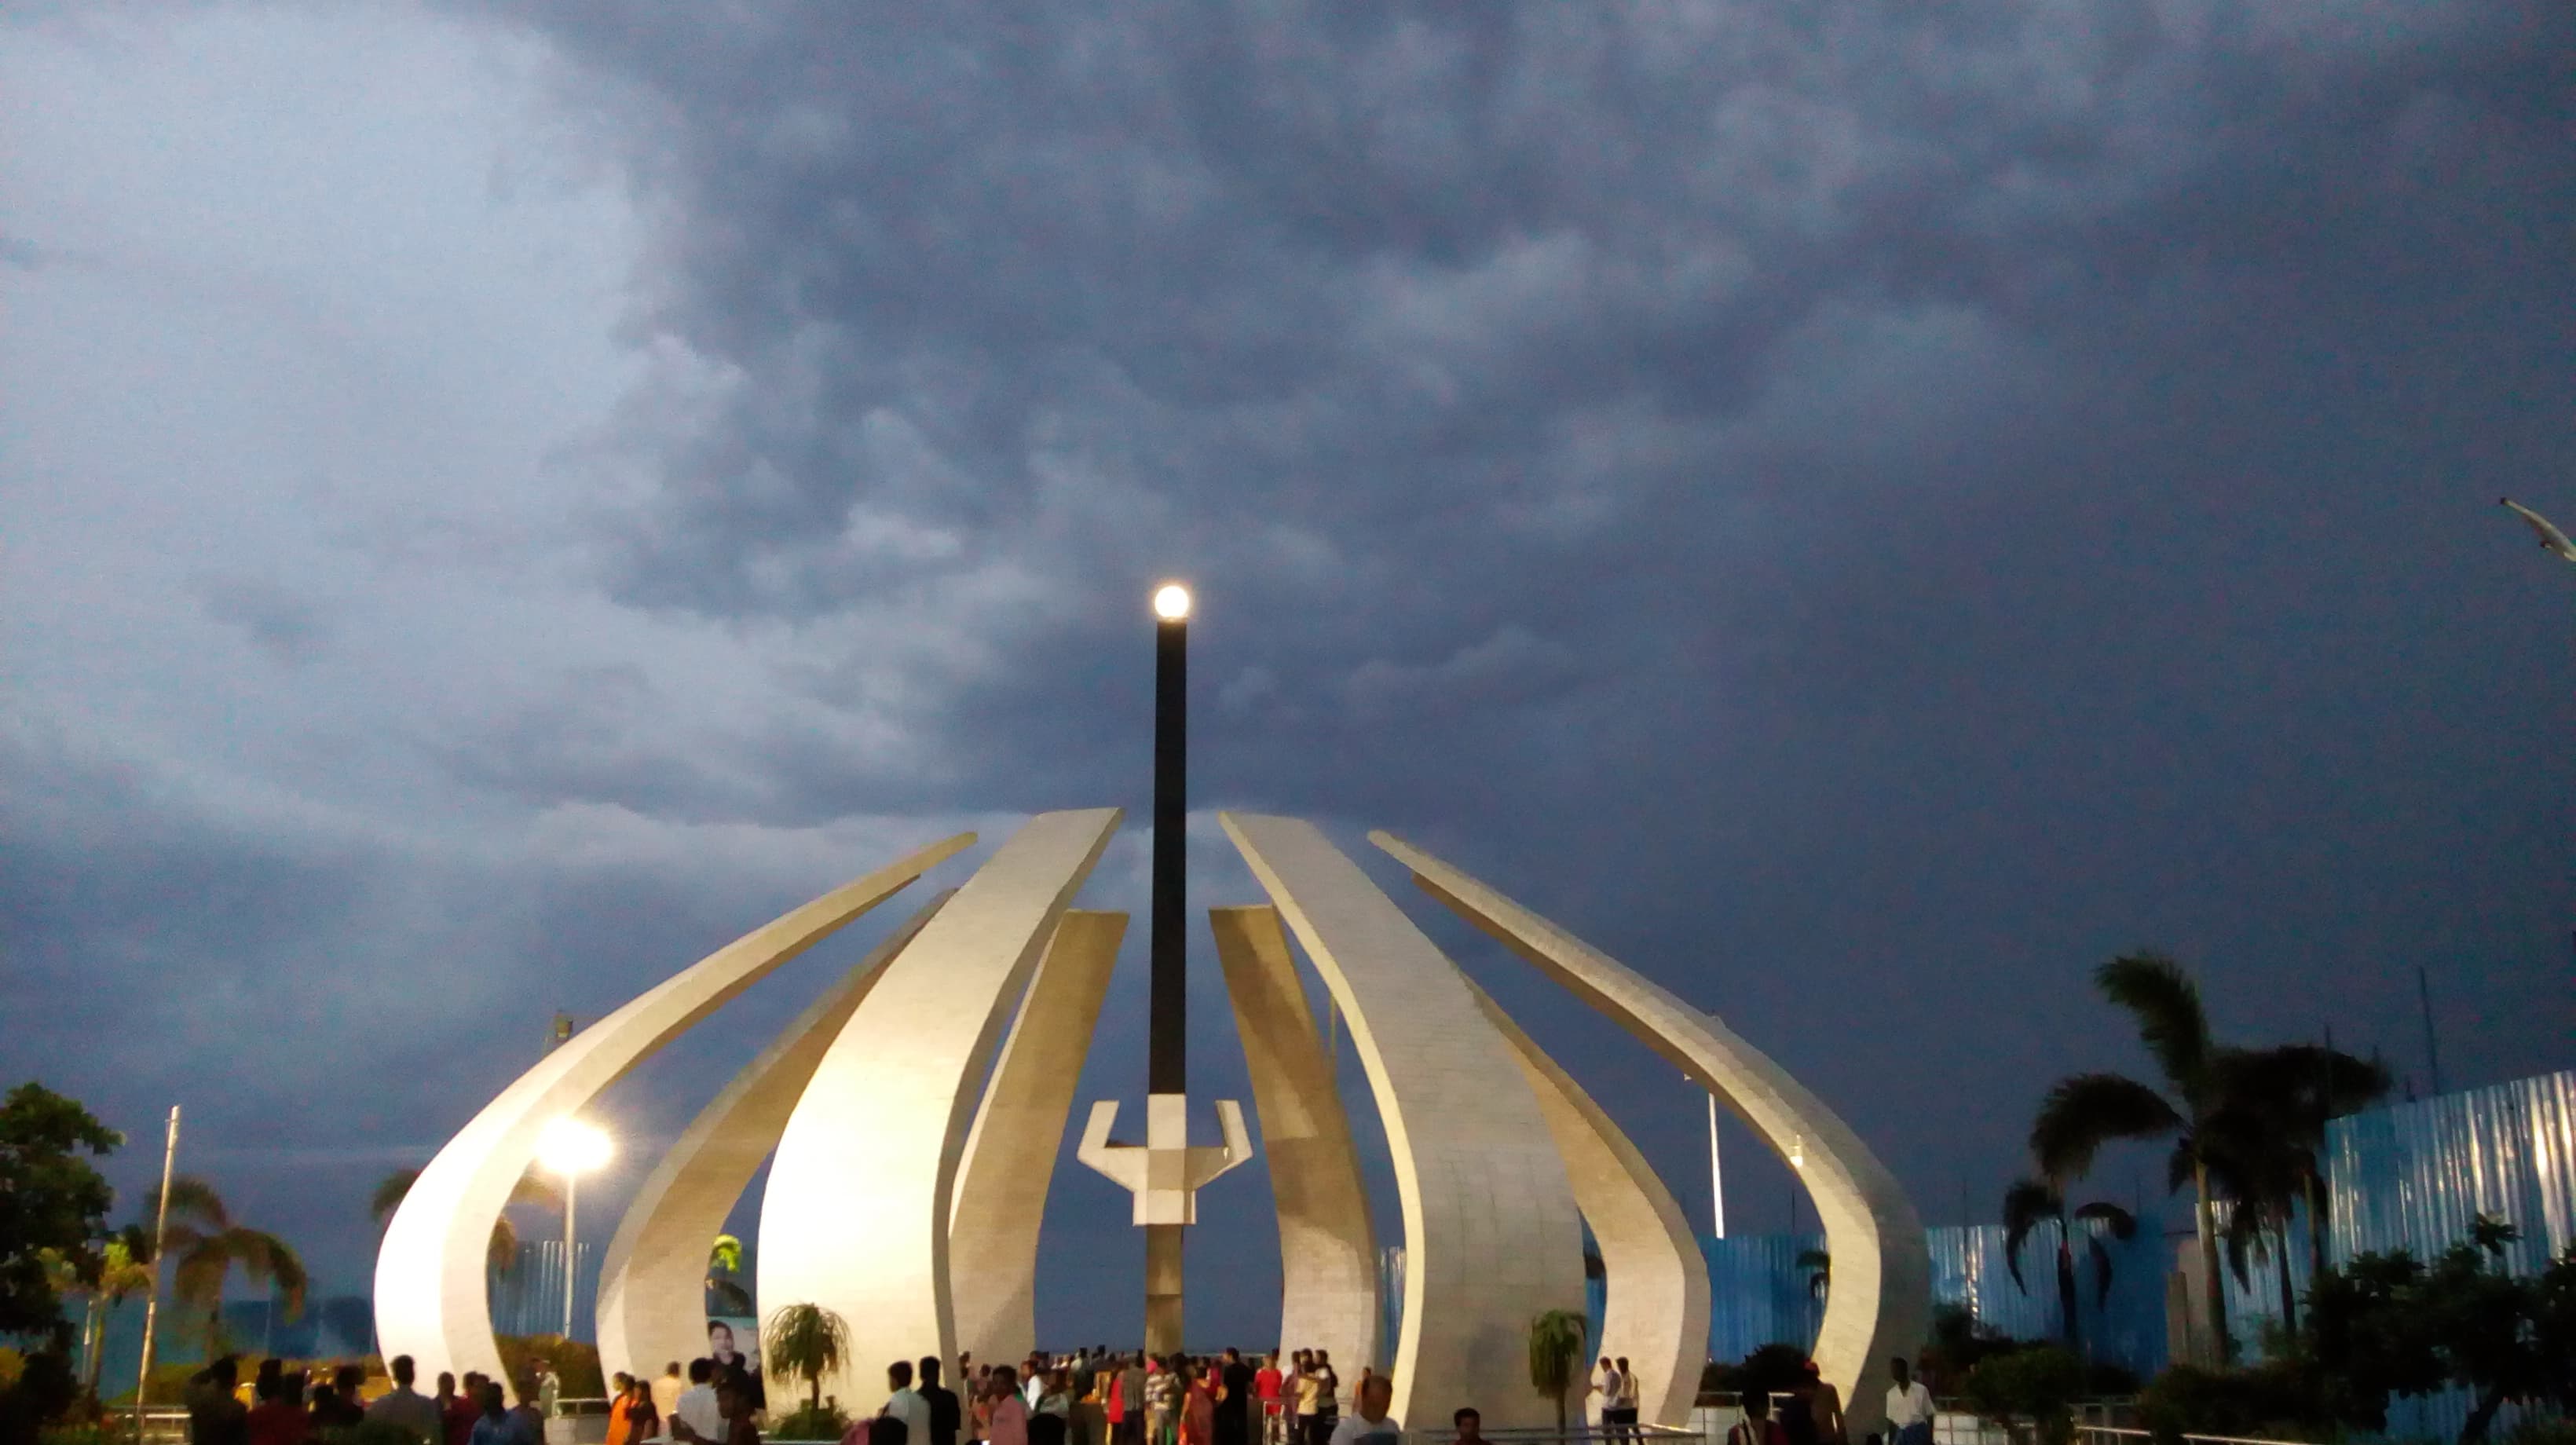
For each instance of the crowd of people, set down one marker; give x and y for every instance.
(1091, 1397)
(288, 1407)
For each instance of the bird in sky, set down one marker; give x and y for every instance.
(2550, 537)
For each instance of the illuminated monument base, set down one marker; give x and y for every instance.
(912, 1114)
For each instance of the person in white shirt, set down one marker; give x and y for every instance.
(1909, 1407)
(1371, 1425)
(906, 1404)
(698, 1404)
(666, 1393)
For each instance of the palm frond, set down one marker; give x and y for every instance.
(2171, 1022)
(192, 1200)
(2084, 1112)
(390, 1193)
(2246, 1241)
(266, 1259)
(537, 1192)
(2028, 1204)
(2101, 1272)
(503, 1251)
(2122, 1223)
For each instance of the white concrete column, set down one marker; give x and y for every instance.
(1492, 1239)
(431, 1298)
(1657, 1280)
(1327, 1242)
(855, 1214)
(652, 1280)
(1881, 1302)
(1010, 1154)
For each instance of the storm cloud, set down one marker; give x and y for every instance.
(1861, 512)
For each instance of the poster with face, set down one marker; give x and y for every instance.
(734, 1339)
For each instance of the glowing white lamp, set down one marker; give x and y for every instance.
(1172, 602)
(571, 1149)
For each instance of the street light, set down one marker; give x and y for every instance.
(571, 1149)
(1172, 602)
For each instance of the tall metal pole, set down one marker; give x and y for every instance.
(1166, 1067)
(1167, 1009)
(152, 1298)
(1716, 1177)
(572, 1193)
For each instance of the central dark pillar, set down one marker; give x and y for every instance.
(1167, 1019)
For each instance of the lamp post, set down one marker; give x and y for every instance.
(152, 1300)
(571, 1149)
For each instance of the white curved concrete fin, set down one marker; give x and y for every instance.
(431, 1297)
(855, 1214)
(1010, 1155)
(1656, 1315)
(1492, 1239)
(1327, 1242)
(652, 1280)
(1880, 1303)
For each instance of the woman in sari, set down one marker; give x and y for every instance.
(1198, 1408)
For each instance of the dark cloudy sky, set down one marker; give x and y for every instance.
(1860, 510)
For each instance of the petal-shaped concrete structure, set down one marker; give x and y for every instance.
(855, 1214)
(1327, 1243)
(1010, 1154)
(1656, 1316)
(432, 1300)
(1881, 1300)
(1492, 1239)
(652, 1280)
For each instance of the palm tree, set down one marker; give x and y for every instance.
(2030, 1203)
(1820, 1270)
(2084, 1112)
(204, 1245)
(1556, 1341)
(724, 1261)
(806, 1342)
(2265, 1143)
(503, 1251)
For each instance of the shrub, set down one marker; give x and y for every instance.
(2271, 1402)
(2034, 1388)
(811, 1422)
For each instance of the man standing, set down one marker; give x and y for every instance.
(406, 1407)
(1372, 1425)
(215, 1417)
(1266, 1388)
(1234, 1408)
(945, 1415)
(1469, 1425)
(1131, 1397)
(1909, 1407)
(1010, 1419)
(697, 1406)
(666, 1392)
